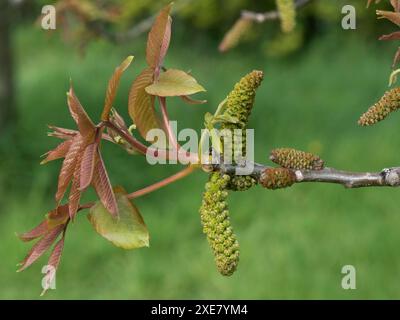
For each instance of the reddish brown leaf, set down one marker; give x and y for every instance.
(54, 261)
(113, 86)
(40, 247)
(68, 166)
(80, 116)
(395, 4)
(141, 104)
(391, 36)
(87, 165)
(103, 187)
(35, 233)
(59, 152)
(62, 133)
(159, 38)
(75, 192)
(58, 216)
(55, 257)
(391, 16)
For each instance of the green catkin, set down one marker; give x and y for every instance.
(277, 178)
(235, 34)
(241, 99)
(388, 103)
(239, 104)
(287, 14)
(216, 224)
(296, 159)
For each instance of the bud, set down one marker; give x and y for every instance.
(277, 178)
(216, 224)
(296, 159)
(388, 103)
(287, 14)
(241, 183)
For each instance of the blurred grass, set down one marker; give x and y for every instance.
(293, 242)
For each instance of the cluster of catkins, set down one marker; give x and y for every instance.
(214, 209)
(388, 103)
(289, 159)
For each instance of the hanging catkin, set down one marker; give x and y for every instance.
(287, 14)
(216, 224)
(234, 35)
(388, 103)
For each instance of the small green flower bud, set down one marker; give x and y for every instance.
(277, 178)
(296, 159)
(216, 224)
(241, 183)
(287, 14)
(388, 103)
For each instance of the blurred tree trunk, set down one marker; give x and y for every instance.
(7, 107)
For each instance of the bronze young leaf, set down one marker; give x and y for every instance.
(61, 133)
(128, 231)
(391, 16)
(103, 188)
(75, 192)
(159, 38)
(35, 233)
(87, 165)
(174, 83)
(41, 247)
(141, 104)
(85, 125)
(54, 261)
(68, 166)
(57, 153)
(391, 36)
(113, 86)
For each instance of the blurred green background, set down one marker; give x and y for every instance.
(293, 242)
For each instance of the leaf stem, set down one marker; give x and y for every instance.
(171, 136)
(141, 192)
(177, 176)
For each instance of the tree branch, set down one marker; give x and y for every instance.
(145, 24)
(389, 177)
(269, 15)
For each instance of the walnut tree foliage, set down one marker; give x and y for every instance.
(114, 215)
